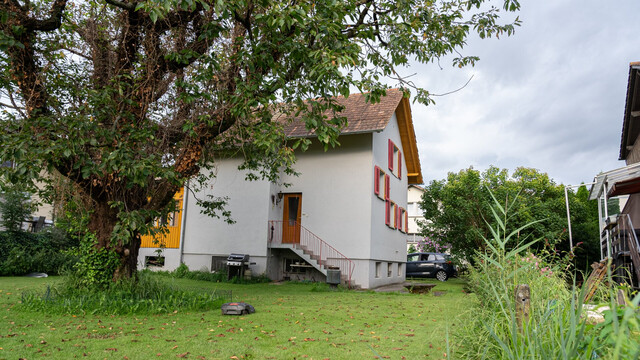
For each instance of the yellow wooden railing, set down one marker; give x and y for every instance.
(170, 239)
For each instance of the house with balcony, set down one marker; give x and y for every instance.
(346, 209)
(415, 215)
(619, 233)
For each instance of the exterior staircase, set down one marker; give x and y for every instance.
(315, 251)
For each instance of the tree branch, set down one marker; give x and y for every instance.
(122, 5)
(352, 32)
(52, 23)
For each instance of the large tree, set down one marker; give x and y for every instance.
(128, 99)
(458, 210)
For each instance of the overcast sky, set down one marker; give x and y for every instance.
(550, 97)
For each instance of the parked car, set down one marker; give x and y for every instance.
(426, 264)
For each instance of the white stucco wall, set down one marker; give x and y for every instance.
(414, 197)
(249, 203)
(387, 245)
(336, 196)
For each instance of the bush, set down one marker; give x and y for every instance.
(183, 272)
(48, 251)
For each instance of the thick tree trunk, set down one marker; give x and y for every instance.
(101, 224)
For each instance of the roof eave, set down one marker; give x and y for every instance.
(630, 129)
(409, 143)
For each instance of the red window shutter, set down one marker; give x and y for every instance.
(399, 164)
(386, 187)
(376, 180)
(387, 213)
(395, 216)
(391, 147)
(406, 222)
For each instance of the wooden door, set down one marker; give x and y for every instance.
(291, 218)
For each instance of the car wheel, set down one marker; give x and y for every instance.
(441, 275)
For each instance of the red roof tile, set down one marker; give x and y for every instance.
(362, 116)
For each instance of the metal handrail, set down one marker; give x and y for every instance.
(634, 247)
(325, 254)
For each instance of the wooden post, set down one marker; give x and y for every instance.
(523, 303)
(622, 297)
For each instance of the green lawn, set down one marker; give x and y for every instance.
(291, 322)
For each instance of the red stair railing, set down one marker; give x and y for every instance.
(325, 254)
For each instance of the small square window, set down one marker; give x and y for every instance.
(399, 269)
(378, 269)
(389, 269)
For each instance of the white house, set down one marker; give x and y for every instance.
(414, 197)
(347, 208)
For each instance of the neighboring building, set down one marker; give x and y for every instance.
(41, 217)
(347, 208)
(619, 232)
(414, 198)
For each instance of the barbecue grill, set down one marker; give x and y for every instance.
(237, 264)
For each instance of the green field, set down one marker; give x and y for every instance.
(291, 322)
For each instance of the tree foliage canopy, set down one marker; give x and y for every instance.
(129, 99)
(457, 210)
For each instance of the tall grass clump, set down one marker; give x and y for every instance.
(145, 295)
(555, 329)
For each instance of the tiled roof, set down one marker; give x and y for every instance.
(362, 116)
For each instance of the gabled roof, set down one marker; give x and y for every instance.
(365, 117)
(631, 124)
(362, 116)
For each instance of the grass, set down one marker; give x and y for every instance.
(293, 320)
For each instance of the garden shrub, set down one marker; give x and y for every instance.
(48, 251)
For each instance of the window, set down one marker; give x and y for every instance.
(378, 268)
(413, 257)
(381, 183)
(399, 269)
(395, 160)
(389, 269)
(218, 263)
(154, 261)
(402, 223)
(391, 212)
(413, 209)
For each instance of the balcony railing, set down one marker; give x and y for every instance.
(318, 249)
(629, 242)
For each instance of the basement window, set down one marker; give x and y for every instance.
(157, 261)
